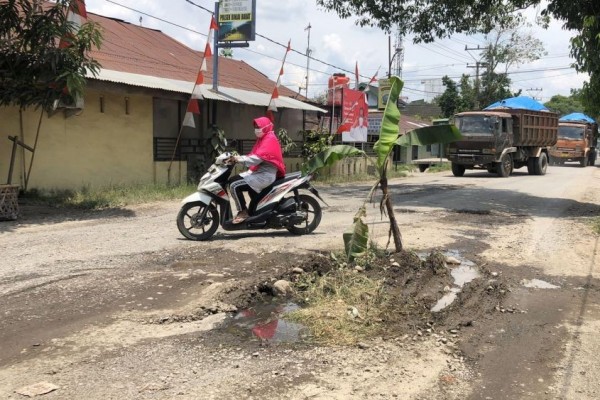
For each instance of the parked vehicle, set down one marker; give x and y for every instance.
(502, 139)
(280, 206)
(577, 140)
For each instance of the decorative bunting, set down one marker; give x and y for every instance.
(188, 120)
(76, 13)
(275, 95)
(193, 106)
(213, 24)
(200, 78)
(374, 78)
(207, 51)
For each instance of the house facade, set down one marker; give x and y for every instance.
(128, 128)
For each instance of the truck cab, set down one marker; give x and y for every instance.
(485, 137)
(501, 140)
(576, 142)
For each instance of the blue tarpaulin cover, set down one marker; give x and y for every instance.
(520, 103)
(577, 117)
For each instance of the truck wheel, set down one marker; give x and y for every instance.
(505, 166)
(541, 164)
(458, 170)
(583, 162)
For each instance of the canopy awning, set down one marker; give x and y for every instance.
(223, 94)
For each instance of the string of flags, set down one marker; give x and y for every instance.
(76, 14)
(272, 107)
(193, 107)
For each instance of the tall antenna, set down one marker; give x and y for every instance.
(307, 59)
(398, 54)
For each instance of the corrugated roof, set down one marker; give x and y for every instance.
(223, 94)
(146, 57)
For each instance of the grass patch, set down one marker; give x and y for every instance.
(342, 306)
(596, 225)
(398, 171)
(88, 198)
(439, 168)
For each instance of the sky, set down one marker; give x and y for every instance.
(340, 44)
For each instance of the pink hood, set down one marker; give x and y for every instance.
(268, 147)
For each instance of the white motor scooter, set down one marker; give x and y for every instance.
(279, 206)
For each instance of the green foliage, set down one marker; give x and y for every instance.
(315, 142)
(389, 125)
(113, 196)
(356, 240)
(564, 105)
(430, 135)
(34, 70)
(329, 156)
(285, 140)
(450, 99)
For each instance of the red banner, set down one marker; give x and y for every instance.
(355, 115)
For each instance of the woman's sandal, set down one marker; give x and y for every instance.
(240, 217)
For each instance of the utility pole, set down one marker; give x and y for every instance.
(478, 63)
(539, 98)
(307, 59)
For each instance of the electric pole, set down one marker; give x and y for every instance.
(538, 98)
(307, 59)
(478, 64)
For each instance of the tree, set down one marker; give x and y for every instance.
(450, 99)
(429, 20)
(564, 105)
(34, 69)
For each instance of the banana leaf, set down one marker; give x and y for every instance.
(389, 125)
(328, 157)
(357, 239)
(430, 135)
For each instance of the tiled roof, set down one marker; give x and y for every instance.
(134, 49)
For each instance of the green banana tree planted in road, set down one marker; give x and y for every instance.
(356, 239)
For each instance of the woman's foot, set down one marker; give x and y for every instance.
(240, 217)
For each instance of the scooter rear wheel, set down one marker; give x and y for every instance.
(313, 210)
(190, 225)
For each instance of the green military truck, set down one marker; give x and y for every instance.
(502, 139)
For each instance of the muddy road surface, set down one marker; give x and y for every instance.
(117, 305)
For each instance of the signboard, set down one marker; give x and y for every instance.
(385, 85)
(237, 22)
(355, 114)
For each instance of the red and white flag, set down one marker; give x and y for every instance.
(272, 107)
(77, 15)
(374, 78)
(193, 106)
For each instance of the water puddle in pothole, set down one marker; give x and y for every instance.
(462, 274)
(538, 284)
(264, 322)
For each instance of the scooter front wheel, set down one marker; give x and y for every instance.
(198, 221)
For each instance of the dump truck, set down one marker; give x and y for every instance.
(502, 139)
(577, 140)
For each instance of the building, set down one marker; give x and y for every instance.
(125, 129)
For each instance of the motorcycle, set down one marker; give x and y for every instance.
(279, 206)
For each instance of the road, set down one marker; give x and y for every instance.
(81, 294)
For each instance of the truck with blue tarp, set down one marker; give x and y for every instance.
(510, 134)
(577, 140)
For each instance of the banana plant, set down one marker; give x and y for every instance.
(356, 239)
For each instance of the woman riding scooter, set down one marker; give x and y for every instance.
(265, 165)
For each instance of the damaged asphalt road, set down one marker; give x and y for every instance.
(115, 304)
